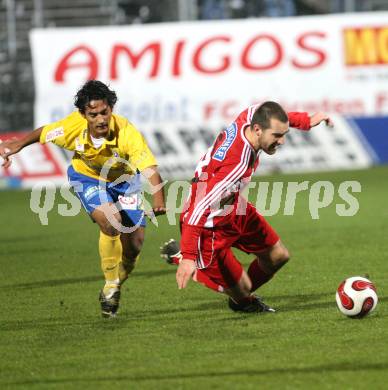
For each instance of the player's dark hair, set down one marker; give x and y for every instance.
(262, 116)
(94, 90)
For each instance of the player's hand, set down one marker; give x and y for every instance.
(185, 272)
(159, 210)
(8, 148)
(154, 212)
(319, 117)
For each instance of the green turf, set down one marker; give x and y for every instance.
(52, 336)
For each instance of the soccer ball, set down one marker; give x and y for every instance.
(356, 297)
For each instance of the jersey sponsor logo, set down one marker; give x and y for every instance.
(131, 202)
(231, 133)
(91, 191)
(55, 133)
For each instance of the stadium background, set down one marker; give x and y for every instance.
(50, 330)
(180, 83)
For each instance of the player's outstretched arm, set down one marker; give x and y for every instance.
(157, 190)
(185, 272)
(8, 148)
(319, 117)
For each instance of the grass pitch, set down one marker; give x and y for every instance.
(52, 336)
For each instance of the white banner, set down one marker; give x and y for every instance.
(180, 83)
(34, 164)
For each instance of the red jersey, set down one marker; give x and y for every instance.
(221, 174)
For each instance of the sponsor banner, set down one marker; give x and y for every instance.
(34, 164)
(374, 131)
(350, 144)
(180, 83)
(204, 73)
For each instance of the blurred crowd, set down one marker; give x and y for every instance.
(150, 11)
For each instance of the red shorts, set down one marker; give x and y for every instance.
(250, 233)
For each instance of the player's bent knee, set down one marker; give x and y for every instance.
(285, 255)
(108, 229)
(109, 223)
(278, 257)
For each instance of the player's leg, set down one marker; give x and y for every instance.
(133, 220)
(200, 277)
(127, 233)
(217, 262)
(132, 244)
(110, 249)
(259, 238)
(99, 204)
(267, 263)
(171, 253)
(238, 286)
(110, 246)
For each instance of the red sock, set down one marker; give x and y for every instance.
(202, 278)
(257, 275)
(176, 259)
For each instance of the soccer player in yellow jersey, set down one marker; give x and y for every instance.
(109, 154)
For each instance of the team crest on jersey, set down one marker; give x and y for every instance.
(231, 133)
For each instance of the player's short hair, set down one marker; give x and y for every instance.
(268, 110)
(94, 90)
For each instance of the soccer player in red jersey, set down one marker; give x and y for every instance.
(216, 218)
